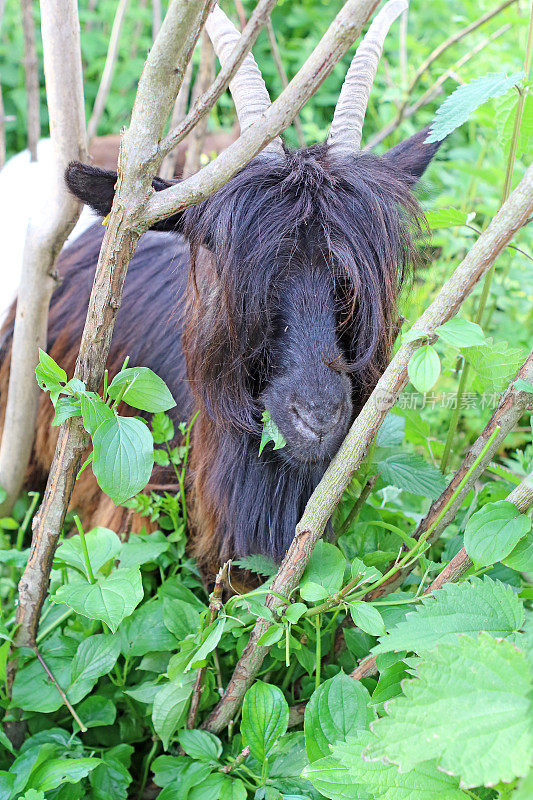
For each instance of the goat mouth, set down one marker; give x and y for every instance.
(309, 431)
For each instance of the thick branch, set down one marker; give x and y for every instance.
(109, 67)
(45, 236)
(513, 214)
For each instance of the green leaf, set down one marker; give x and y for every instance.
(423, 782)
(272, 635)
(146, 631)
(209, 639)
(123, 457)
(339, 707)
(333, 780)
(32, 689)
(103, 545)
(109, 599)
(265, 717)
(469, 607)
(57, 771)
(505, 117)
(391, 432)
(48, 373)
(181, 618)
(170, 706)
(95, 656)
(96, 711)
(162, 428)
(410, 472)
(446, 218)
(457, 108)
(523, 386)
(495, 363)
(521, 557)
(367, 618)
(461, 333)
(201, 745)
(414, 335)
(258, 563)
(110, 780)
(293, 612)
(142, 549)
(218, 787)
(424, 368)
(325, 569)
(468, 707)
(146, 390)
(271, 433)
(66, 407)
(493, 532)
(94, 411)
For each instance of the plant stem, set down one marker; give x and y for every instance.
(59, 689)
(90, 574)
(318, 650)
(490, 274)
(356, 509)
(146, 768)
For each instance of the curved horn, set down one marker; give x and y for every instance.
(247, 88)
(347, 126)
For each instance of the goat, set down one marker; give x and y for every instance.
(278, 292)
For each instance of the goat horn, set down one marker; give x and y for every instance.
(247, 88)
(347, 126)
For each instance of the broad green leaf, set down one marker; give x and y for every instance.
(66, 407)
(325, 568)
(271, 433)
(521, 557)
(495, 364)
(523, 386)
(193, 774)
(109, 599)
(468, 607)
(145, 631)
(367, 618)
(390, 681)
(294, 612)
(365, 574)
(210, 637)
(505, 118)
(218, 787)
(272, 635)
(461, 333)
(201, 745)
(95, 656)
(57, 771)
(467, 704)
(446, 218)
(103, 545)
(123, 457)
(142, 549)
(110, 780)
(336, 709)
(15, 558)
(170, 706)
(410, 472)
(333, 780)
(33, 690)
(391, 432)
(524, 790)
(423, 782)
(493, 532)
(144, 692)
(265, 717)
(424, 368)
(181, 618)
(414, 335)
(94, 411)
(96, 711)
(49, 373)
(457, 108)
(146, 390)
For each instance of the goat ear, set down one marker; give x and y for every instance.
(413, 155)
(96, 188)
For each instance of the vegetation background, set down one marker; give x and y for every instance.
(128, 675)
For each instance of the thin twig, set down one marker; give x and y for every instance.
(204, 79)
(245, 752)
(109, 67)
(356, 509)
(59, 689)
(169, 164)
(274, 49)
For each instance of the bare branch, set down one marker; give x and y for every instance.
(168, 165)
(45, 236)
(109, 67)
(274, 49)
(204, 79)
(328, 493)
(31, 69)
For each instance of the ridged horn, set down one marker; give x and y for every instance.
(247, 88)
(347, 126)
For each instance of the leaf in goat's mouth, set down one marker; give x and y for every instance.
(271, 433)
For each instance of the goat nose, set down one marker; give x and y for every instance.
(317, 419)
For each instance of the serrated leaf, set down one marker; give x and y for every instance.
(457, 108)
(170, 706)
(265, 717)
(336, 709)
(391, 432)
(123, 457)
(109, 599)
(103, 545)
(424, 368)
(461, 333)
(493, 532)
(94, 411)
(446, 218)
(469, 607)
(271, 433)
(423, 782)
(258, 563)
(410, 472)
(367, 618)
(495, 364)
(146, 390)
(333, 780)
(467, 704)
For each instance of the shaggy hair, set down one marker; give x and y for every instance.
(287, 300)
